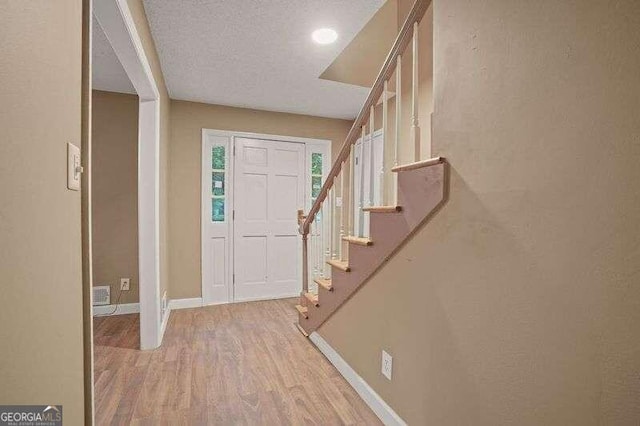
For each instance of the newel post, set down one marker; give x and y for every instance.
(305, 257)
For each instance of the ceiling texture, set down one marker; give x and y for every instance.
(106, 71)
(256, 53)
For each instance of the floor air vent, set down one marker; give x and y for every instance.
(101, 295)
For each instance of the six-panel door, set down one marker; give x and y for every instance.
(269, 184)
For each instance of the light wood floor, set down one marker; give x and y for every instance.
(239, 364)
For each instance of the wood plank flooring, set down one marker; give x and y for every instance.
(237, 364)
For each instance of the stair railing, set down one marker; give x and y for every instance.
(327, 244)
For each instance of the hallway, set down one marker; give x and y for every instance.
(231, 364)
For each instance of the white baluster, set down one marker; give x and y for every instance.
(415, 126)
(316, 224)
(361, 198)
(319, 252)
(312, 252)
(330, 221)
(327, 243)
(398, 125)
(372, 172)
(385, 133)
(305, 263)
(342, 210)
(334, 222)
(352, 192)
(321, 245)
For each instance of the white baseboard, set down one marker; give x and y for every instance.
(260, 299)
(370, 397)
(195, 302)
(121, 309)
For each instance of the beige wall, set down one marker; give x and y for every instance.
(360, 61)
(41, 311)
(115, 192)
(519, 303)
(187, 121)
(142, 25)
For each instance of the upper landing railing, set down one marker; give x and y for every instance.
(325, 244)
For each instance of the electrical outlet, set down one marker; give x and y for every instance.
(125, 284)
(387, 364)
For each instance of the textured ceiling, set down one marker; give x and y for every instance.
(107, 73)
(258, 54)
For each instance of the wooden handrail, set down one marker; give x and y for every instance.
(401, 42)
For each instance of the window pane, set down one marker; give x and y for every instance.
(217, 154)
(316, 163)
(316, 186)
(217, 183)
(217, 209)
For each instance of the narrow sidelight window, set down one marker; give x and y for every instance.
(218, 176)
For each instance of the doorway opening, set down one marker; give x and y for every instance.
(123, 187)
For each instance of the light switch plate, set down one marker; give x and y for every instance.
(74, 168)
(338, 201)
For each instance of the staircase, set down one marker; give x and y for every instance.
(345, 254)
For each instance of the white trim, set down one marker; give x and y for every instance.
(165, 320)
(265, 136)
(149, 225)
(370, 397)
(119, 27)
(229, 192)
(121, 309)
(275, 297)
(194, 302)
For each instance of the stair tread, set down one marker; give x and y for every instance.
(302, 310)
(418, 164)
(340, 264)
(383, 209)
(358, 240)
(313, 298)
(324, 282)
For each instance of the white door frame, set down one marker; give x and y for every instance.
(310, 144)
(118, 25)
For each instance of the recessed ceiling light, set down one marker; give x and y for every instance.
(324, 36)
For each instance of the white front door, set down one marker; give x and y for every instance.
(269, 182)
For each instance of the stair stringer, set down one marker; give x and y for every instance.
(420, 192)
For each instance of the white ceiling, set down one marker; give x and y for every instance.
(107, 73)
(258, 54)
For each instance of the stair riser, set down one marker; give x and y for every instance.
(330, 301)
(420, 191)
(386, 229)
